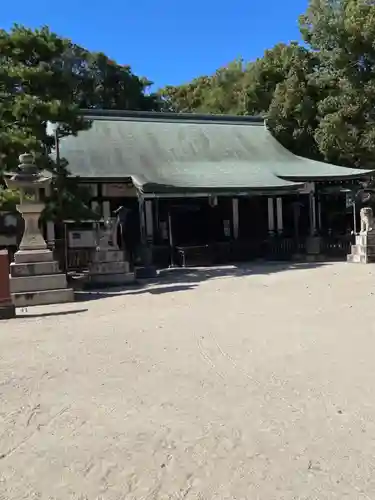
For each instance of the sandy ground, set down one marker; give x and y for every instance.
(249, 383)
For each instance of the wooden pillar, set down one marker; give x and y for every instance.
(149, 222)
(271, 216)
(157, 215)
(235, 218)
(170, 239)
(279, 214)
(354, 217)
(312, 206)
(319, 214)
(142, 223)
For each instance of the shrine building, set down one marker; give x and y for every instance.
(205, 189)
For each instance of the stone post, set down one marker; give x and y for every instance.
(51, 241)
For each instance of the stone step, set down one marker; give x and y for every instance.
(27, 256)
(43, 297)
(37, 283)
(34, 269)
(108, 256)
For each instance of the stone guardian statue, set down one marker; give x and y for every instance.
(367, 220)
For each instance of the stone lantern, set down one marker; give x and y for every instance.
(35, 276)
(29, 180)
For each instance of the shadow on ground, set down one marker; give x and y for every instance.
(137, 289)
(47, 314)
(199, 274)
(185, 279)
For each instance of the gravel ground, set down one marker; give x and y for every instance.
(251, 383)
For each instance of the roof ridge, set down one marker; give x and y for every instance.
(115, 115)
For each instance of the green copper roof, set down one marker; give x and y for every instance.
(174, 152)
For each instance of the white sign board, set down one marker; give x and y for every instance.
(118, 190)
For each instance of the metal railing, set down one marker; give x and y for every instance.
(337, 246)
(273, 248)
(72, 259)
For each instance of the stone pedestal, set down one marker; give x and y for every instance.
(109, 269)
(36, 280)
(363, 251)
(7, 309)
(314, 249)
(145, 269)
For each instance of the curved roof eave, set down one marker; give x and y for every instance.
(353, 175)
(156, 188)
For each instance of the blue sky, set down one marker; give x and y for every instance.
(167, 41)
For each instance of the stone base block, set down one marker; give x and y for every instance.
(7, 311)
(313, 245)
(112, 267)
(27, 256)
(34, 269)
(298, 257)
(109, 256)
(357, 249)
(360, 259)
(365, 239)
(363, 252)
(37, 283)
(107, 280)
(315, 258)
(43, 297)
(145, 272)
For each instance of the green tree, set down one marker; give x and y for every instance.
(342, 33)
(292, 115)
(44, 77)
(33, 90)
(218, 93)
(185, 98)
(276, 85)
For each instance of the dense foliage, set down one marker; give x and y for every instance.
(319, 99)
(44, 77)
